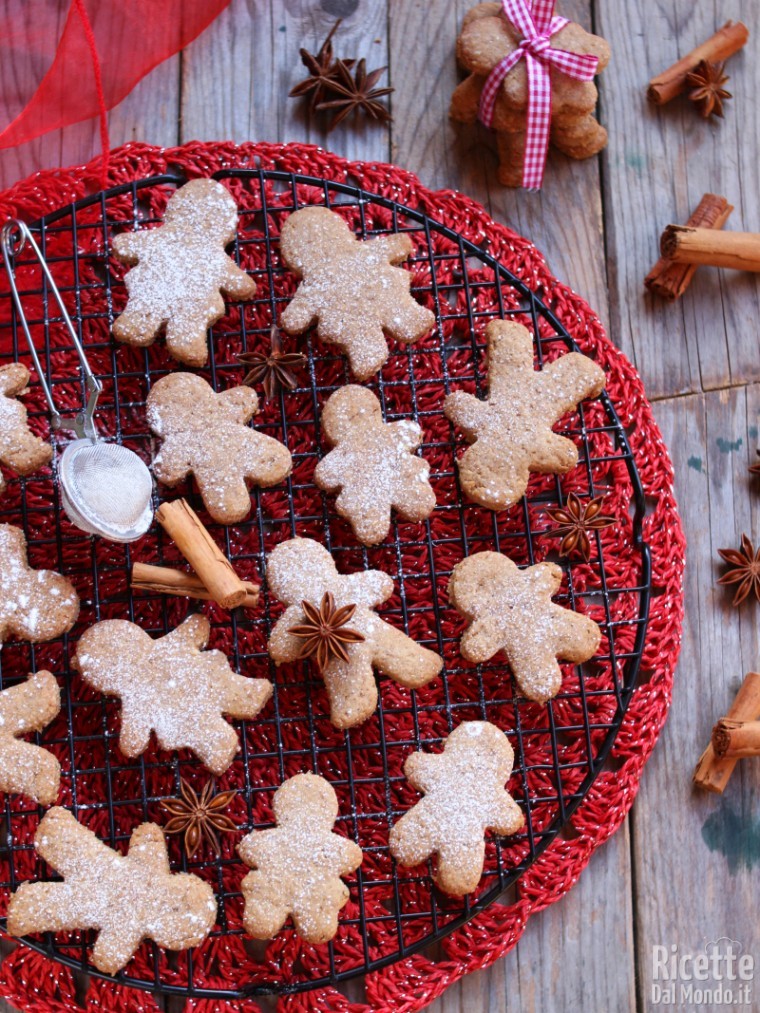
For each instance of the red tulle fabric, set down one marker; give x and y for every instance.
(34, 982)
(105, 48)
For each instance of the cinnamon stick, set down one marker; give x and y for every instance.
(712, 771)
(669, 279)
(165, 580)
(727, 40)
(736, 738)
(192, 539)
(737, 250)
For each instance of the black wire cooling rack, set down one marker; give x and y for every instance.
(560, 748)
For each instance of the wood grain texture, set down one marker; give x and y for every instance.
(658, 164)
(698, 851)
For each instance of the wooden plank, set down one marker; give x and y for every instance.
(696, 854)
(577, 954)
(237, 75)
(658, 164)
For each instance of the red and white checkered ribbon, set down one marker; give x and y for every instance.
(536, 24)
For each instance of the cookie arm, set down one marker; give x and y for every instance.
(242, 697)
(349, 855)
(129, 247)
(506, 817)
(330, 472)
(570, 379)
(299, 314)
(575, 637)
(481, 640)
(464, 410)
(411, 840)
(394, 248)
(13, 379)
(406, 662)
(235, 282)
(465, 100)
(30, 705)
(282, 645)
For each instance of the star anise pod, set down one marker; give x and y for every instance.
(199, 817)
(356, 92)
(745, 570)
(321, 70)
(707, 93)
(324, 633)
(754, 469)
(575, 520)
(274, 370)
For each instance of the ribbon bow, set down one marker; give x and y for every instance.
(536, 24)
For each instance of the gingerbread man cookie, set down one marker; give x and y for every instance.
(373, 465)
(487, 37)
(181, 270)
(35, 605)
(25, 768)
(126, 898)
(20, 449)
(170, 686)
(511, 610)
(297, 865)
(511, 431)
(302, 570)
(464, 797)
(205, 434)
(350, 288)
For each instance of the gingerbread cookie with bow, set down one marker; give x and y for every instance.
(511, 610)
(126, 898)
(373, 465)
(20, 449)
(170, 686)
(298, 864)
(511, 431)
(464, 796)
(320, 604)
(352, 289)
(26, 768)
(35, 605)
(206, 434)
(489, 37)
(181, 272)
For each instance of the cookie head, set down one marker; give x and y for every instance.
(307, 799)
(310, 231)
(345, 407)
(205, 208)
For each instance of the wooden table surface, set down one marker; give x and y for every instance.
(682, 870)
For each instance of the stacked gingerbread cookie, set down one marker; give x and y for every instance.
(356, 295)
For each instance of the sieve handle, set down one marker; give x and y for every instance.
(14, 236)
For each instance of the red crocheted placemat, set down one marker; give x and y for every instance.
(557, 745)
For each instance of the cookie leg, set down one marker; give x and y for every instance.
(579, 138)
(316, 919)
(187, 339)
(215, 745)
(265, 906)
(137, 326)
(351, 689)
(115, 947)
(460, 866)
(510, 148)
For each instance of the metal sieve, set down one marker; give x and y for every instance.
(105, 488)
